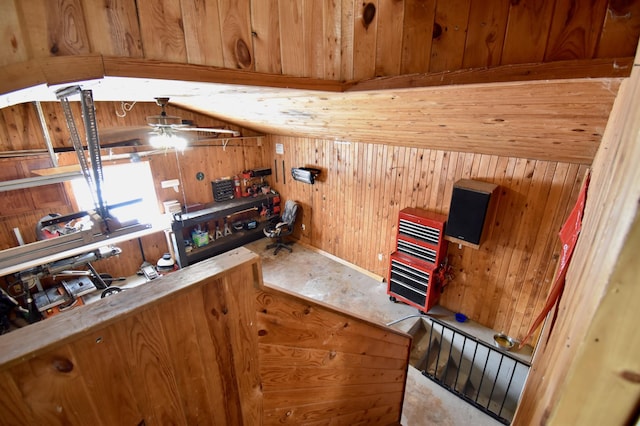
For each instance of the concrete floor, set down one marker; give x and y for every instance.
(317, 276)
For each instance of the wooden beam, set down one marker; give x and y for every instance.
(77, 68)
(127, 67)
(591, 68)
(51, 70)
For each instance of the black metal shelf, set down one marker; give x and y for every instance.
(215, 212)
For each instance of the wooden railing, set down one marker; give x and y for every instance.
(208, 344)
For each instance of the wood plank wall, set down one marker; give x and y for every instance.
(351, 212)
(594, 316)
(308, 350)
(204, 345)
(339, 40)
(24, 208)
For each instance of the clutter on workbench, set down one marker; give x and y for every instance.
(166, 263)
(54, 224)
(199, 237)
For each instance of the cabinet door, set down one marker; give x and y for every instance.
(51, 197)
(17, 201)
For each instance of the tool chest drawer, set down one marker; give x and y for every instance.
(420, 250)
(421, 235)
(412, 282)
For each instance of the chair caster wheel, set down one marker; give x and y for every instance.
(393, 299)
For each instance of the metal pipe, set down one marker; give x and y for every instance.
(446, 368)
(473, 363)
(404, 318)
(506, 392)
(464, 342)
(486, 362)
(429, 350)
(493, 388)
(45, 133)
(435, 372)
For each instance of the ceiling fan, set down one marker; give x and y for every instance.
(162, 130)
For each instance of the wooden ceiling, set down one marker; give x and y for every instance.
(343, 53)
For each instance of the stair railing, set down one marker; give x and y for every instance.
(485, 376)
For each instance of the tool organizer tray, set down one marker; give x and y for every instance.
(220, 212)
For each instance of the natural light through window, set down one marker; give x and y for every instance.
(122, 183)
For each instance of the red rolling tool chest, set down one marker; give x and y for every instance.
(420, 251)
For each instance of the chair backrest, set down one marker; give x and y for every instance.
(290, 212)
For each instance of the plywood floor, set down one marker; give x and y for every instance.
(314, 275)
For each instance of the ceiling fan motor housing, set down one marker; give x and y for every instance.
(165, 124)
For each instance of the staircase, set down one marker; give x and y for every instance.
(488, 378)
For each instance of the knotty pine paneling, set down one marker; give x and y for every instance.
(338, 40)
(162, 30)
(527, 21)
(590, 312)
(365, 28)
(185, 353)
(113, 28)
(390, 19)
(314, 365)
(574, 30)
(20, 129)
(417, 31)
(618, 31)
(354, 206)
(558, 120)
(290, 16)
(450, 31)
(210, 345)
(202, 32)
(235, 24)
(265, 24)
(485, 34)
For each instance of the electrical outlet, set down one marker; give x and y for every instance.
(380, 257)
(304, 227)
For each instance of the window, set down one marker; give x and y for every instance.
(122, 183)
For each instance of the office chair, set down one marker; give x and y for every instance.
(281, 227)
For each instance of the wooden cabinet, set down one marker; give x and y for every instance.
(420, 250)
(222, 226)
(20, 201)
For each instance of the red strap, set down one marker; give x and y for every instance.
(568, 236)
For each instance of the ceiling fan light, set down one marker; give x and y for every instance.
(179, 143)
(168, 141)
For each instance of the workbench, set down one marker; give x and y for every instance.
(246, 209)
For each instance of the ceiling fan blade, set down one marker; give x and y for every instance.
(124, 134)
(210, 130)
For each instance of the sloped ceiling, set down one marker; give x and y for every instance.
(342, 69)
